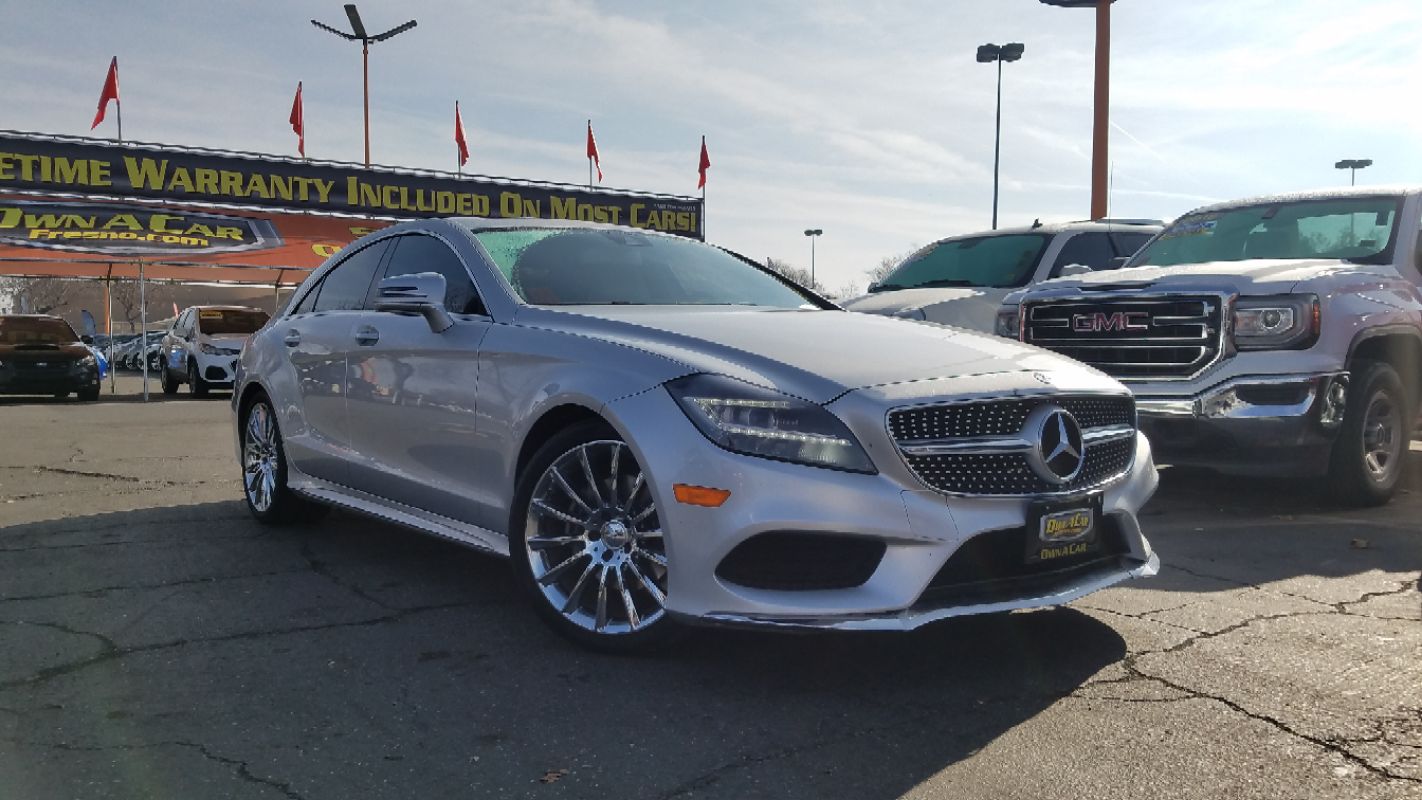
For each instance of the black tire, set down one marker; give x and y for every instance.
(284, 506)
(1370, 454)
(652, 629)
(197, 387)
(170, 384)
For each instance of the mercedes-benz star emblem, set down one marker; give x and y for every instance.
(1058, 452)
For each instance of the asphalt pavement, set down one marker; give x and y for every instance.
(155, 642)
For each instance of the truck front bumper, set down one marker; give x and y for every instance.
(1276, 425)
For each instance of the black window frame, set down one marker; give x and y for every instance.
(392, 255)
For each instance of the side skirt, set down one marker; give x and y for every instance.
(413, 518)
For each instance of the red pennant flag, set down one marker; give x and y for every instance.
(175, 308)
(298, 122)
(704, 165)
(110, 92)
(459, 136)
(592, 152)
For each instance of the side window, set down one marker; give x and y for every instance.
(1128, 243)
(308, 301)
(344, 287)
(1089, 249)
(180, 328)
(417, 253)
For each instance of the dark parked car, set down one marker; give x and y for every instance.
(41, 354)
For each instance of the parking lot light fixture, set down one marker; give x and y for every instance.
(1353, 165)
(813, 233)
(359, 34)
(987, 54)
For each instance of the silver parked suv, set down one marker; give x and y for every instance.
(962, 280)
(653, 428)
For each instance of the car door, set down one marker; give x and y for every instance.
(317, 342)
(411, 391)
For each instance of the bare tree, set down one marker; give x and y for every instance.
(795, 274)
(37, 295)
(124, 294)
(888, 264)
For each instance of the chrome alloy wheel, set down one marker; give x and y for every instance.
(1382, 436)
(260, 459)
(594, 542)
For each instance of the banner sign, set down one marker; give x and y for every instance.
(94, 167)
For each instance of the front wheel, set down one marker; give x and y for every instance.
(587, 543)
(170, 384)
(1370, 453)
(196, 385)
(264, 471)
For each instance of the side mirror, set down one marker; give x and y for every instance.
(1074, 269)
(421, 293)
(86, 339)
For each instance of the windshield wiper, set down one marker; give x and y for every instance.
(886, 287)
(944, 282)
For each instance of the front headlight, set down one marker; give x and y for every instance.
(1007, 323)
(760, 422)
(210, 350)
(1281, 322)
(88, 361)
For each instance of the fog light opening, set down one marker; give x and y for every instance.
(704, 496)
(1335, 403)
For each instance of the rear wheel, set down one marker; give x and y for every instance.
(1370, 453)
(587, 543)
(264, 471)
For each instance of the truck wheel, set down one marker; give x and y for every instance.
(1370, 453)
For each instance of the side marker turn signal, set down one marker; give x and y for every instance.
(700, 495)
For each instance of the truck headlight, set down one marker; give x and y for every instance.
(760, 422)
(1007, 324)
(1281, 322)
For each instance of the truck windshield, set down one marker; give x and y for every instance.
(983, 261)
(1361, 229)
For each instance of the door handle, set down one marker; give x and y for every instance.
(366, 336)
(293, 338)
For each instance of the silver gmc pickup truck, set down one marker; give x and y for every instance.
(1273, 336)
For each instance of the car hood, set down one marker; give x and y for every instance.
(1256, 276)
(816, 355)
(43, 352)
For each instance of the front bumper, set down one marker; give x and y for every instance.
(216, 370)
(920, 529)
(1278, 425)
(49, 380)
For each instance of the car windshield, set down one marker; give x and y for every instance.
(221, 321)
(984, 261)
(573, 266)
(1358, 229)
(35, 330)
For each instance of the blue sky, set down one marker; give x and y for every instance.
(870, 120)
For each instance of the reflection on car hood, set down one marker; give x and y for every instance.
(1256, 276)
(900, 299)
(817, 355)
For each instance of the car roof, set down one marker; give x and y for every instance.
(227, 308)
(1108, 225)
(1393, 190)
(32, 316)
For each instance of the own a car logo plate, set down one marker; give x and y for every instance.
(1067, 526)
(87, 227)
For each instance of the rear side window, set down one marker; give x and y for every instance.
(419, 253)
(1088, 249)
(345, 286)
(1128, 243)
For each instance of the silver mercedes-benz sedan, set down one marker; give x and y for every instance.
(655, 430)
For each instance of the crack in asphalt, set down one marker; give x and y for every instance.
(241, 768)
(113, 652)
(145, 586)
(319, 567)
(1130, 664)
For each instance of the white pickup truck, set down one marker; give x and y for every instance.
(1272, 336)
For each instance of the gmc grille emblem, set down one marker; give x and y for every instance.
(1102, 322)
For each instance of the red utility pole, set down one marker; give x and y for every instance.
(1101, 127)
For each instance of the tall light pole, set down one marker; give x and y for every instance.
(1100, 139)
(359, 35)
(1353, 165)
(987, 54)
(813, 233)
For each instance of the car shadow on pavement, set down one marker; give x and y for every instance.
(353, 658)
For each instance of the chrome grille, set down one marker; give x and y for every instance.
(1140, 338)
(993, 459)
